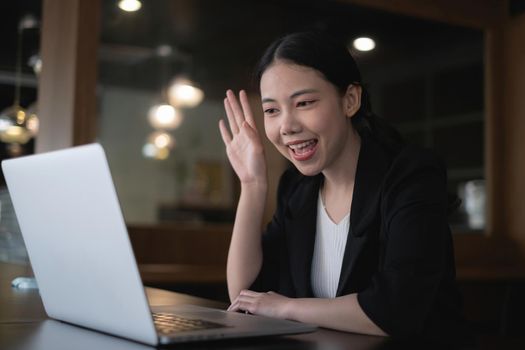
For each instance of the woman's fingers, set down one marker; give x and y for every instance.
(238, 112)
(244, 301)
(231, 118)
(247, 109)
(225, 134)
(234, 306)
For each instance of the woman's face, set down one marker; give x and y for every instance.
(305, 116)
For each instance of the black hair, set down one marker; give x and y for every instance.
(333, 60)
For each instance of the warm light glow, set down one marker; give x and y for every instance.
(15, 131)
(5, 124)
(14, 125)
(130, 5)
(20, 116)
(33, 124)
(151, 151)
(184, 93)
(364, 44)
(161, 140)
(162, 154)
(165, 117)
(15, 134)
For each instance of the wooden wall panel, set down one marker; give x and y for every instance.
(514, 138)
(67, 85)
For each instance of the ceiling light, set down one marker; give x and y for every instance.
(130, 5)
(151, 151)
(165, 116)
(364, 44)
(158, 145)
(15, 123)
(184, 93)
(32, 122)
(161, 139)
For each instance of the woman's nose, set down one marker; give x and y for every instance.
(290, 124)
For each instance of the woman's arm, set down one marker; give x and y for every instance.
(342, 313)
(246, 155)
(245, 253)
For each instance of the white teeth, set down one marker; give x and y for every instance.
(302, 145)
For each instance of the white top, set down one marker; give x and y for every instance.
(330, 243)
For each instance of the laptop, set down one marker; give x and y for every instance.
(83, 261)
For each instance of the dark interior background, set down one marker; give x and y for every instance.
(425, 77)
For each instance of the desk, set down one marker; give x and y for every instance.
(25, 326)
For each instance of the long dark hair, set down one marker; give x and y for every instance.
(321, 52)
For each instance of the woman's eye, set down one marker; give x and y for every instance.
(305, 103)
(270, 111)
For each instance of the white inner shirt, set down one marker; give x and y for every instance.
(330, 243)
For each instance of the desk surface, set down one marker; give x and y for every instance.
(25, 326)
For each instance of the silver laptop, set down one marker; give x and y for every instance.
(79, 248)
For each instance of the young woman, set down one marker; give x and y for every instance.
(359, 241)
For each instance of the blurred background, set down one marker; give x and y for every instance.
(425, 77)
(147, 79)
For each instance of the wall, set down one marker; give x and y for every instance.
(142, 184)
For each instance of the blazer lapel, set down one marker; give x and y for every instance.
(372, 166)
(301, 219)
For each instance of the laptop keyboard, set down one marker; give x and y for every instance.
(167, 323)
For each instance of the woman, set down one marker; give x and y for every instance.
(359, 241)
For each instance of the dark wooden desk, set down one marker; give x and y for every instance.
(25, 326)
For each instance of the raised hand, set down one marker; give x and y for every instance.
(243, 145)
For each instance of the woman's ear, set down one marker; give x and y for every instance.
(352, 100)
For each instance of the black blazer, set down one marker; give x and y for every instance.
(399, 254)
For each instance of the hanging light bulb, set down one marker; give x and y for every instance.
(165, 116)
(32, 123)
(13, 125)
(161, 139)
(158, 145)
(14, 120)
(151, 151)
(130, 5)
(184, 93)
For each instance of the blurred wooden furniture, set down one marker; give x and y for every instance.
(181, 253)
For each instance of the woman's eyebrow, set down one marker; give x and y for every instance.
(267, 99)
(292, 96)
(302, 92)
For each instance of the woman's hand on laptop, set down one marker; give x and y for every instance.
(268, 304)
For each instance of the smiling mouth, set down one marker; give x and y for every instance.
(303, 150)
(303, 147)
